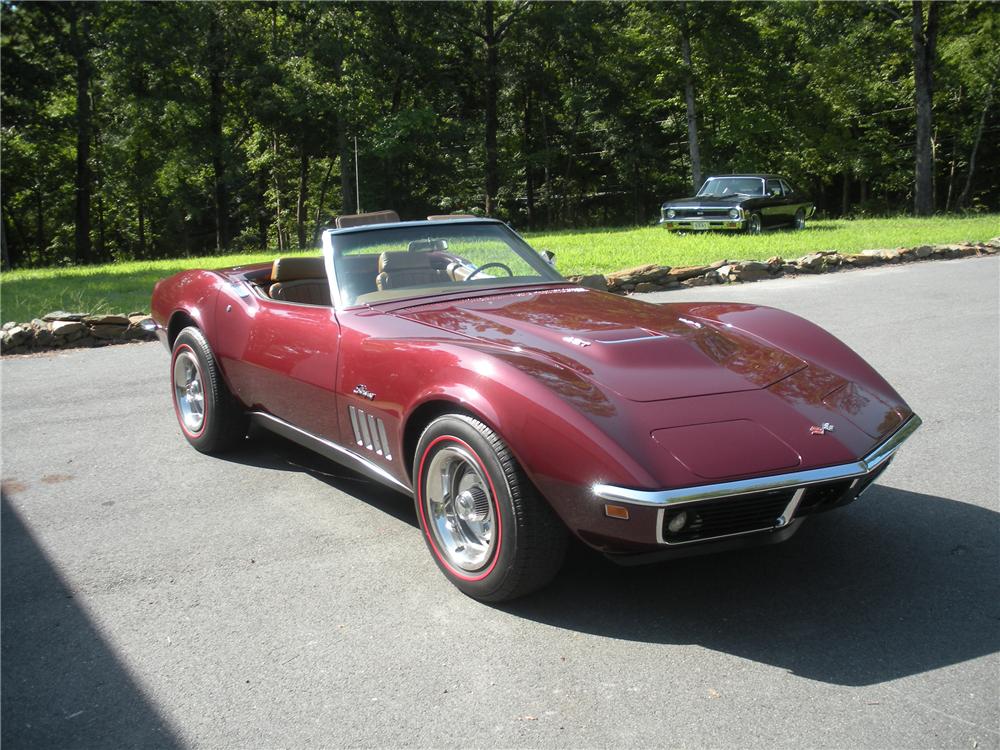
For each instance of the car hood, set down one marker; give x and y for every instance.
(640, 351)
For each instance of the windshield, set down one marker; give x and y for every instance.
(719, 187)
(375, 265)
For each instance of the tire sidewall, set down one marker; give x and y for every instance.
(455, 431)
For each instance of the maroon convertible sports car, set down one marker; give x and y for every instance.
(448, 359)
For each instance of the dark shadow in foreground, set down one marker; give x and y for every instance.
(896, 584)
(62, 684)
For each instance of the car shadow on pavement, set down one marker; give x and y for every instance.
(896, 584)
(62, 684)
(267, 450)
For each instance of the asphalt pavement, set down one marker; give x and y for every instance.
(152, 596)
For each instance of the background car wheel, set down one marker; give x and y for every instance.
(800, 219)
(754, 225)
(210, 417)
(488, 529)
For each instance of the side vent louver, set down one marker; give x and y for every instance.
(369, 432)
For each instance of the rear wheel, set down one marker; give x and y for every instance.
(210, 417)
(800, 219)
(486, 526)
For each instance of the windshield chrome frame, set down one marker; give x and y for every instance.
(701, 190)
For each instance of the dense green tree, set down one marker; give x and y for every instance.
(140, 130)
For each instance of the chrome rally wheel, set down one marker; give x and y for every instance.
(487, 527)
(461, 509)
(188, 392)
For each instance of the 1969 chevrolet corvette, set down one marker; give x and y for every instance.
(447, 359)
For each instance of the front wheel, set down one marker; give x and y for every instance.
(800, 219)
(486, 526)
(210, 417)
(754, 225)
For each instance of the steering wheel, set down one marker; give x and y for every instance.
(490, 265)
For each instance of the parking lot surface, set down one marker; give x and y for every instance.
(152, 596)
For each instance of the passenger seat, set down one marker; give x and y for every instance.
(399, 270)
(300, 280)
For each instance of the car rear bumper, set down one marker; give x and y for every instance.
(700, 518)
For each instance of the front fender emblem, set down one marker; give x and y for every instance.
(822, 429)
(362, 390)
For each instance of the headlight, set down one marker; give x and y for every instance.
(671, 213)
(734, 213)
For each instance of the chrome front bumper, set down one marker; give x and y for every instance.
(794, 487)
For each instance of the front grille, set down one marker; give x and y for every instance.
(733, 515)
(705, 213)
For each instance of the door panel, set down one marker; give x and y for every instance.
(282, 358)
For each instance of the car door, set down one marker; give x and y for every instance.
(774, 207)
(793, 201)
(281, 358)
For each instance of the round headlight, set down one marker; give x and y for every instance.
(671, 213)
(734, 213)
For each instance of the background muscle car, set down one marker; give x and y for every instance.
(750, 202)
(448, 360)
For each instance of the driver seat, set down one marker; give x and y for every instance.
(397, 270)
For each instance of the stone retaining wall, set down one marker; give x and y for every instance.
(656, 278)
(63, 330)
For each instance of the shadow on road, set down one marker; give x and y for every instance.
(897, 584)
(62, 684)
(270, 451)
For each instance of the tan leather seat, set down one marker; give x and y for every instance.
(300, 280)
(399, 270)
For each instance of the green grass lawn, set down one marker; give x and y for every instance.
(125, 287)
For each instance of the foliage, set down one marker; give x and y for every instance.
(221, 127)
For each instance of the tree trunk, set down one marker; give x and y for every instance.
(975, 147)
(277, 192)
(692, 113)
(303, 195)
(142, 229)
(79, 33)
(216, 113)
(262, 210)
(845, 193)
(318, 220)
(529, 182)
(924, 50)
(492, 178)
(346, 162)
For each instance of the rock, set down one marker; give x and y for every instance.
(752, 271)
(64, 316)
(630, 275)
(723, 272)
(16, 336)
(591, 281)
(66, 328)
(890, 256)
(776, 261)
(644, 287)
(39, 325)
(708, 279)
(8, 325)
(44, 338)
(863, 259)
(137, 314)
(789, 268)
(812, 263)
(687, 272)
(923, 251)
(106, 320)
(107, 331)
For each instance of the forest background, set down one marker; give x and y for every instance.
(136, 131)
